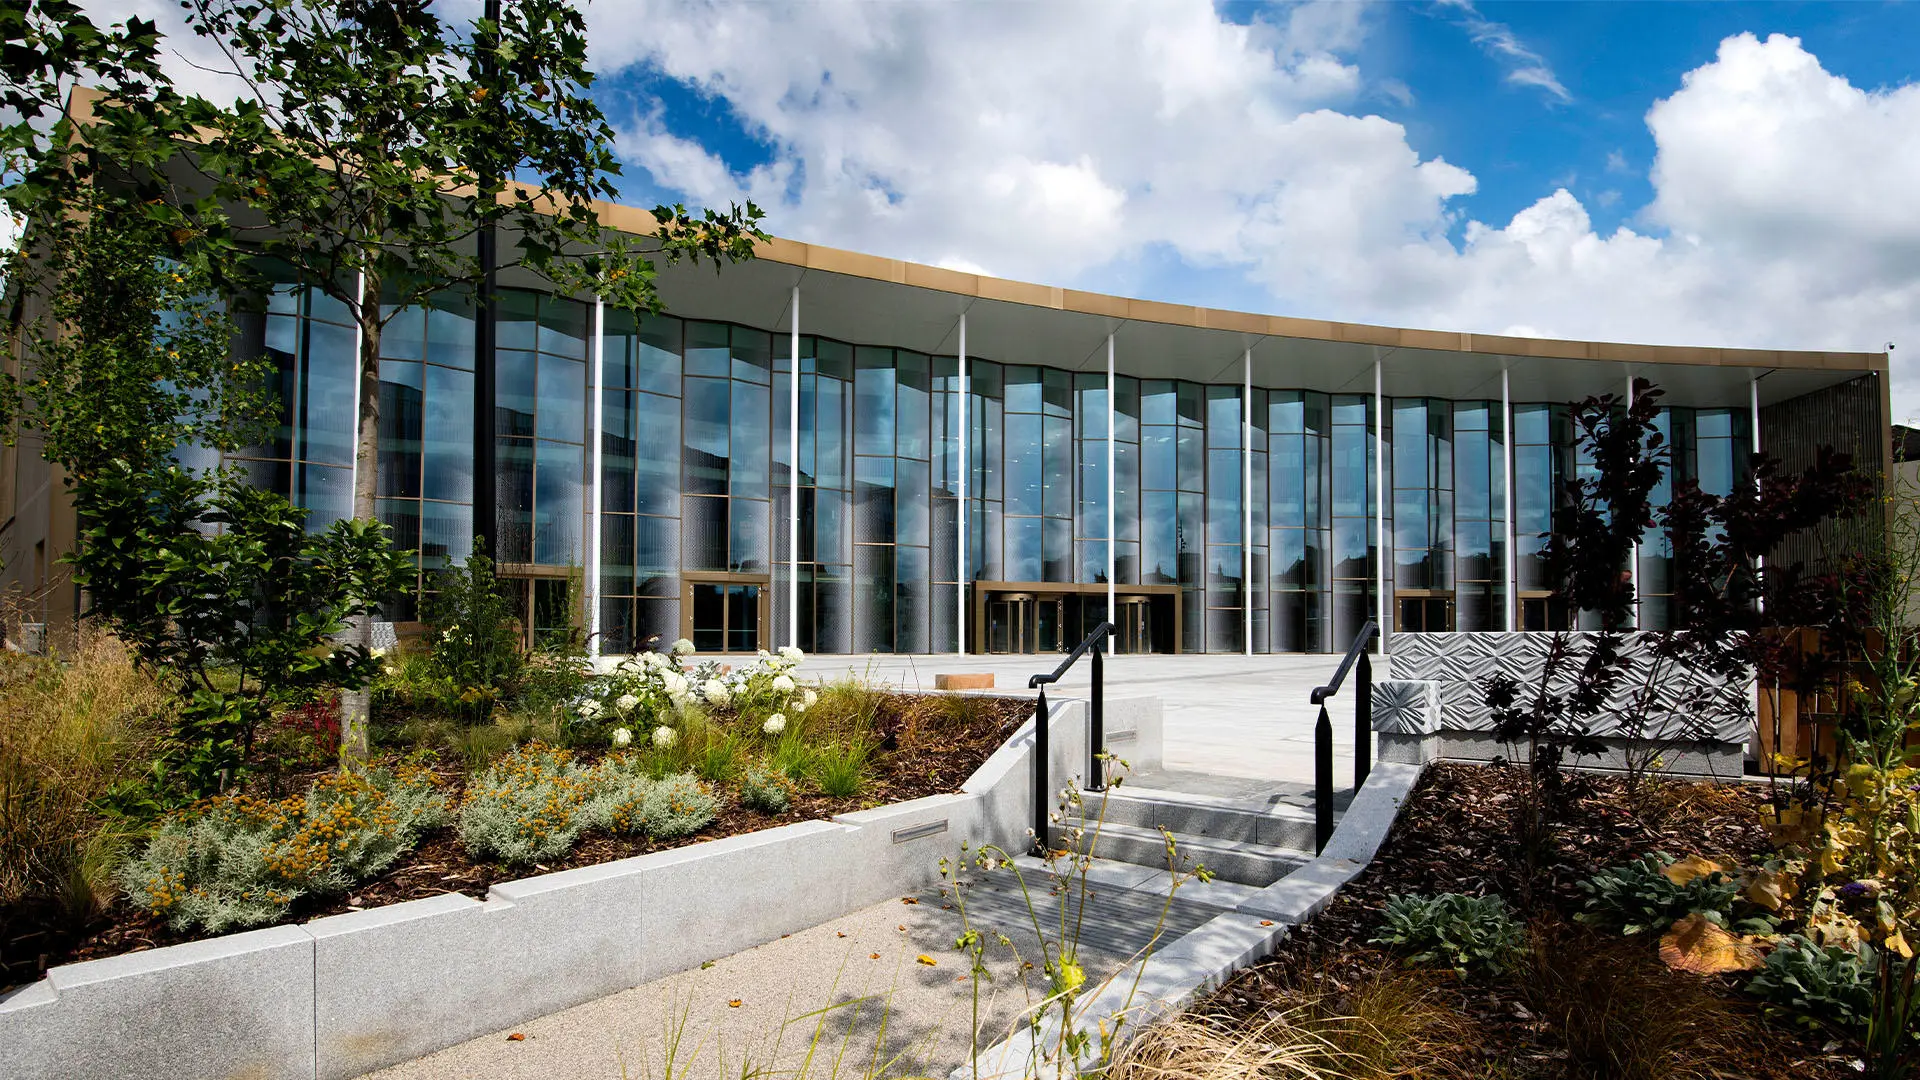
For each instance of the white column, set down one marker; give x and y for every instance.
(1383, 604)
(598, 440)
(1512, 605)
(966, 466)
(793, 479)
(1246, 501)
(1753, 404)
(1112, 490)
(1633, 565)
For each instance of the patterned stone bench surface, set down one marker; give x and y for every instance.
(1437, 681)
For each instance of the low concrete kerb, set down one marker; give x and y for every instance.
(1205, 958)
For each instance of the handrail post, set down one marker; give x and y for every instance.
(1363, 724)
(1322, 782)
(1041, 840)
(1097, 737)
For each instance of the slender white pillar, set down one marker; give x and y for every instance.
(960, 532)
(1753, 404)
(1246, 501)
(1512, 605)
(793, 478)
(598, 440)
(1633, 565)
(1383, 604)
(1113, 488)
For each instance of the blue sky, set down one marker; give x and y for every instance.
(1708, 174)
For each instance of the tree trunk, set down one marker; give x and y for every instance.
(356, 705)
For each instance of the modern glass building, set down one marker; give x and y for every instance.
(855, 454)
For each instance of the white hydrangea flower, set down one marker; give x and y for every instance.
(775, 724)
(675, 683)
(626, 703)
(783, 684)
(811, 697)
(621, 736)
(655, 660)
(679, 698)
(664, 737)
(716, 692)
(589, 709)
(792, 654)
(682, 647)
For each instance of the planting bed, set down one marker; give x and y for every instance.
(923, 748)
(1583, 1003)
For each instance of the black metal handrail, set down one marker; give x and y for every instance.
(1362, 732)
(1096, 735)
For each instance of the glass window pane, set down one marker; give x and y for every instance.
(658, 356)
(514, 393)
(558, 503)
(563, 327)
(562, 400)
(657, 455)
(447, 435)
(747, 464)
(708, 405)
(708, 348)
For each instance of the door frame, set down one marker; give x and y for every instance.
(764, 615)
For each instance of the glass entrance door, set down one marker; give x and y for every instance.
(1432, 614)
(1133, 629)
(1012, 622)
(725, 616)
(1026, 623)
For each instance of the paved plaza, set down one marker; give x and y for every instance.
(1240, 716)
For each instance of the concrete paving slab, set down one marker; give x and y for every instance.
(915, 1016)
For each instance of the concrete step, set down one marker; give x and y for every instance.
(1256, 821)
(1244, 861)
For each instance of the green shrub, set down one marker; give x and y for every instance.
(530, 806)
(840, 768)
(476, 641)
(623, 783)
(1638, 897)
(1812, 986)
(765, 789)
(238, 861)
(678, 806)
(1466, 933)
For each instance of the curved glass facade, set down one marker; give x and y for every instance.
(1221, 522)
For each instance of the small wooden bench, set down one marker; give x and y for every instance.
(980, 681)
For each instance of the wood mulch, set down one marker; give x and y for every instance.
(1573, 1008)
(925, 748)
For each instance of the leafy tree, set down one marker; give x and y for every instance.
(1600, 517)
(131, 356)
(371, 150)
(220, 589)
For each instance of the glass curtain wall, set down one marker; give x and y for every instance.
(696, 466)
(1172, 497)
(640, 482)
(1542, 462)
(1225, 584)
(1709, 447)
(1480, 513)
(309, 455)
(1297, 498)
(1354, 499)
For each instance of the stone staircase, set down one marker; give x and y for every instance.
(1244, 831)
